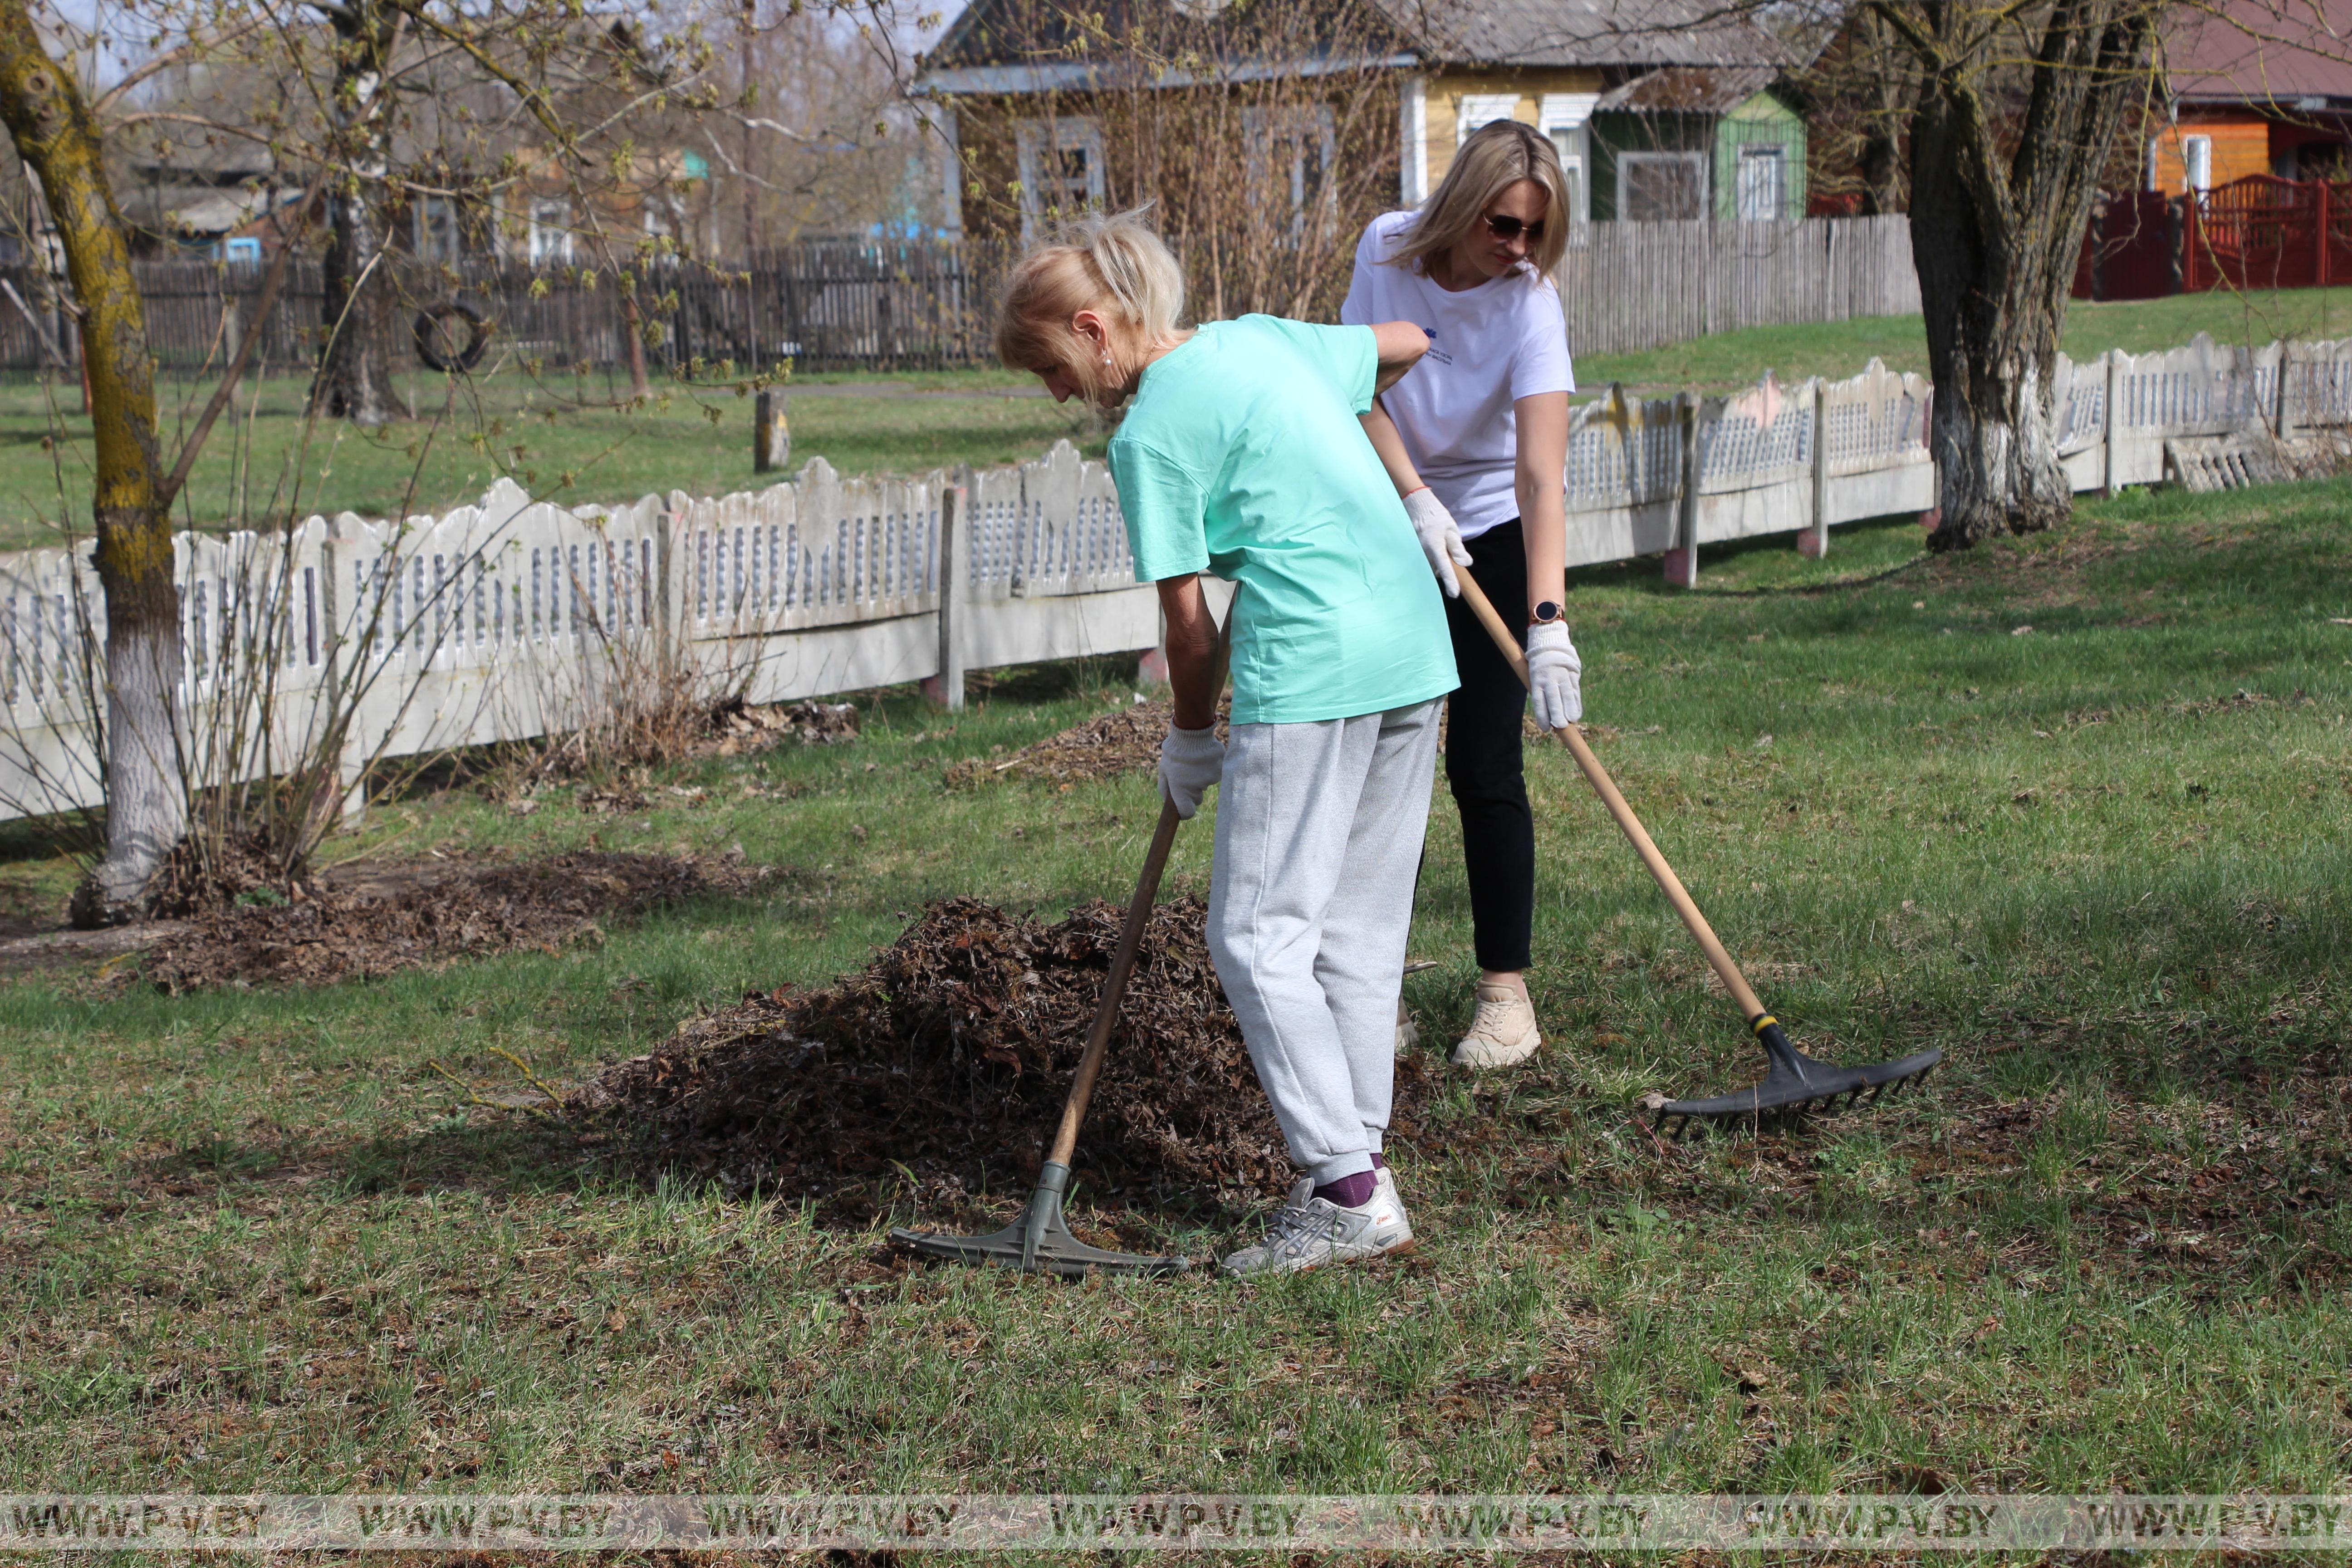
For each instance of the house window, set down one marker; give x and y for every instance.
(1290, 156)
(1062, 170)
(1763, 191)
(1654, 187)
(2197, 154)
(436, 229)
(244, 250)
(551, 231)
(1565, 118)
(1473, 109)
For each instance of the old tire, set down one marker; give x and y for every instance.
(430, 327)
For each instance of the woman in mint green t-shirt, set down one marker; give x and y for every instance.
(1242, 453)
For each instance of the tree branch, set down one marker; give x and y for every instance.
(169, 489)
(167, 59)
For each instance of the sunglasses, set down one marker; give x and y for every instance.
(1507, 228)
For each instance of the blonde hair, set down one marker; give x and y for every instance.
(1112, 263)
(1497, 155)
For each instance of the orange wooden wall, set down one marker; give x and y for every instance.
(2241, 147)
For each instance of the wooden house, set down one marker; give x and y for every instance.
(2253, 86)
(1661, 109)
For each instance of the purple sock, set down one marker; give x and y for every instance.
(1350, 1192)
(1379, 1163)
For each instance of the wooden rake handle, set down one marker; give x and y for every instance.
(1606, 787)
(1130, 941)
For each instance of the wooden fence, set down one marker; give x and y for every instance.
(517, 618)
(822, 305)
(1627, 286)
(832, 305)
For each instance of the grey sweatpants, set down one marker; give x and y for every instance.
(1318, 845)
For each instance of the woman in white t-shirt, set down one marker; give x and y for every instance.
(1476, 440)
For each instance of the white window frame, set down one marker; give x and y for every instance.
(1626, 161)
(1758, 152)
(1473, 109)
(1566, 121)
(1412, 131)
(1034, 139)
(435, 220)
(548, 242)
(1277, 142)
(2196, 163)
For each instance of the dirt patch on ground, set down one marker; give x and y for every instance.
(337, 932)
(949, 1056)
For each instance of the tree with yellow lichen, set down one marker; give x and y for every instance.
(57, 137)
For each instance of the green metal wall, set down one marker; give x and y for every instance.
(1760, 118)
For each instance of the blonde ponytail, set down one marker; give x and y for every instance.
(1108, 262)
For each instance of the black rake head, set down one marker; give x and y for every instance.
(1037, 1242)
(1797, 1086)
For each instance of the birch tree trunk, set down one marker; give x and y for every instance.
(146, 801)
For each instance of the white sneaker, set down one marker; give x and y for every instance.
(1504, 1033)
(1408, 1033)
(1308, 1232)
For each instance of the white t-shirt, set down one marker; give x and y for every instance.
(1489, 346)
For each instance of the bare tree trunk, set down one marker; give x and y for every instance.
(633, 326)
(353, 377)
(1992, 339)
(1998, 209)
(146, 804)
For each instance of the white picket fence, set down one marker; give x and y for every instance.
(505, 620)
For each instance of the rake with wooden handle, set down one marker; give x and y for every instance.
(1796, 1083)
(1039, 1239)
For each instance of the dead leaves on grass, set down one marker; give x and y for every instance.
(470, 911)
(1124, 741)
(947, 1060)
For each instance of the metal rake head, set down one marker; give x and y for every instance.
(1037, 1242)
(1797, 1086)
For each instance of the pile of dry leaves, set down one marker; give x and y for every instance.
(1126, 741)
(950, 1055)
(336, 932)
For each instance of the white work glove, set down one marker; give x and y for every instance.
(1441, 540)
(1190, 762)
(1554, 675)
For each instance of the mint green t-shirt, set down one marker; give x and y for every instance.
(1241, 455)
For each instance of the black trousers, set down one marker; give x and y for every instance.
(1483, 764)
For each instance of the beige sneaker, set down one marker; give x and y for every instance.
(1408, 1033)
(1504, 1033)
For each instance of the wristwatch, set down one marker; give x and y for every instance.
(1544, 614)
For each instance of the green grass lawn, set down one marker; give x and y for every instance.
(1728, 361)
(568, 440)
(558, 438)
(253, 1241)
